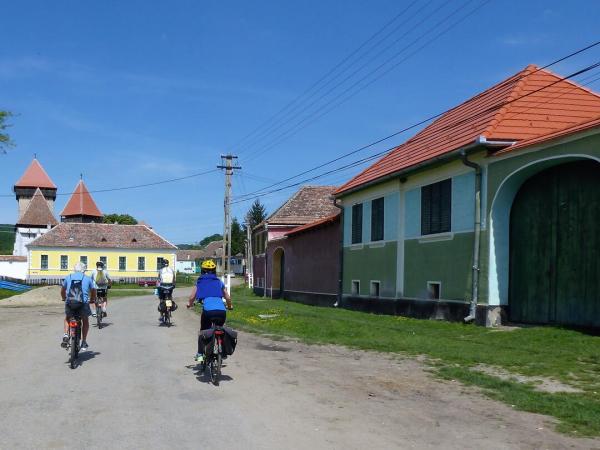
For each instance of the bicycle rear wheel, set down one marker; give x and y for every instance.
(99, 317)
(73, 354)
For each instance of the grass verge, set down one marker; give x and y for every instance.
(5, 293)
(571, 357)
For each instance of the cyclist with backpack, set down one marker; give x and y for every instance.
(103, 283)
(209, 290)
(77, 291)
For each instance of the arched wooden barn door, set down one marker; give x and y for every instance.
(555, 247)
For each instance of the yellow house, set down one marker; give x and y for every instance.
(130, 252)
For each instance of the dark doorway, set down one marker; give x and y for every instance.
(555, 247)
(278, 273)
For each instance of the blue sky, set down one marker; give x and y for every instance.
(135, 92)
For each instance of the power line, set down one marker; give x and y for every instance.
(275, 126)
(331, 71)
(351, 91)
(429, 119)
(379, 154)
(136, 186)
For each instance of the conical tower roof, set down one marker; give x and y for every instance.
(81, 203)
(38, 212)
(35, 177)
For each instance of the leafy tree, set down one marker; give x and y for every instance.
(189, 246)
(208, 239)
(124, 219)
(238, 237)
(256, 214)
(5, 140)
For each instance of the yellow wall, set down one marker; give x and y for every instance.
(93, 256)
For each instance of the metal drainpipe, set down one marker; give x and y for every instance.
(475, 275)
(341, 256)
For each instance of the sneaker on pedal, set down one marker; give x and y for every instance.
(199, 358)
(93, 314)
(65, 341)
(84, 345)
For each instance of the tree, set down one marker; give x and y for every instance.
(256, 214)
(5, 140)
(238, 237)
(124, 219)
(208, 239)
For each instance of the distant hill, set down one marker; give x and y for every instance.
(189, 246)
(7, 238)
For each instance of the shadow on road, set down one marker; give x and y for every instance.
(104, 324)
(85, 356)
(203, 376)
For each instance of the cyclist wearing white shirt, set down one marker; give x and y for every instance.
(103, 282)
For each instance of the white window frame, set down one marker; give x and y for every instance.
(432, 283)
(353, 284)
(372, 284)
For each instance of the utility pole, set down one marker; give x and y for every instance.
(249, 257)
(227, 165)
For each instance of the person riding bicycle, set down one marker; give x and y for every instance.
(166, 281)
(209, 290)
(77, 291)
(103, 283)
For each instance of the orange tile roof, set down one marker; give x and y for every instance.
(509, 111)
(35, 176)
(38, 212)
(549, 137)
(81, 203)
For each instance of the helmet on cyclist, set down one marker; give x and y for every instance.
(209, 264)
(165, 263)
(100, 265)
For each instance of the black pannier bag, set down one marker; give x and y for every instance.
(229, 341)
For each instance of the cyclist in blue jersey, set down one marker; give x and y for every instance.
(210, 291)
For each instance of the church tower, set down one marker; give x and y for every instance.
(34, 177)
(35, 193)
(81, 207)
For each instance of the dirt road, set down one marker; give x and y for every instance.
(137, 387)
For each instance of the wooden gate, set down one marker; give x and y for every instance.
(555, 247)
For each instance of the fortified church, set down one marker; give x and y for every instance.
(46, 248)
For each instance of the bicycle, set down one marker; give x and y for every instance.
(214, 359)
(74, 343)
(100, 299)
(167, 295)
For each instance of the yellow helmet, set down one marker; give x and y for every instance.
(209, 264)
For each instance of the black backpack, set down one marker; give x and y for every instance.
(75, 294)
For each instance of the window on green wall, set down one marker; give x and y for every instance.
(141, 263)
(44, 262)
(64, 262)
(436, 211)
(122, 263)
(357, 214)
(377, 218)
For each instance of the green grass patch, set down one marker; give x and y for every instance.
(5, 293)
(569, 356)
(115, 293)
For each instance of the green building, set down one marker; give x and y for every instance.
(491, 213)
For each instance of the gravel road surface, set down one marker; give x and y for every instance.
(138, 388)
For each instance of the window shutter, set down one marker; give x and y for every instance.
(377, 219)
(357, 223)
(436, 207)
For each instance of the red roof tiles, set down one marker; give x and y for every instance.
(102, 235)
(35, 176)
(81, 203)
(309, 203)
(38, 212)
(512, 110)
